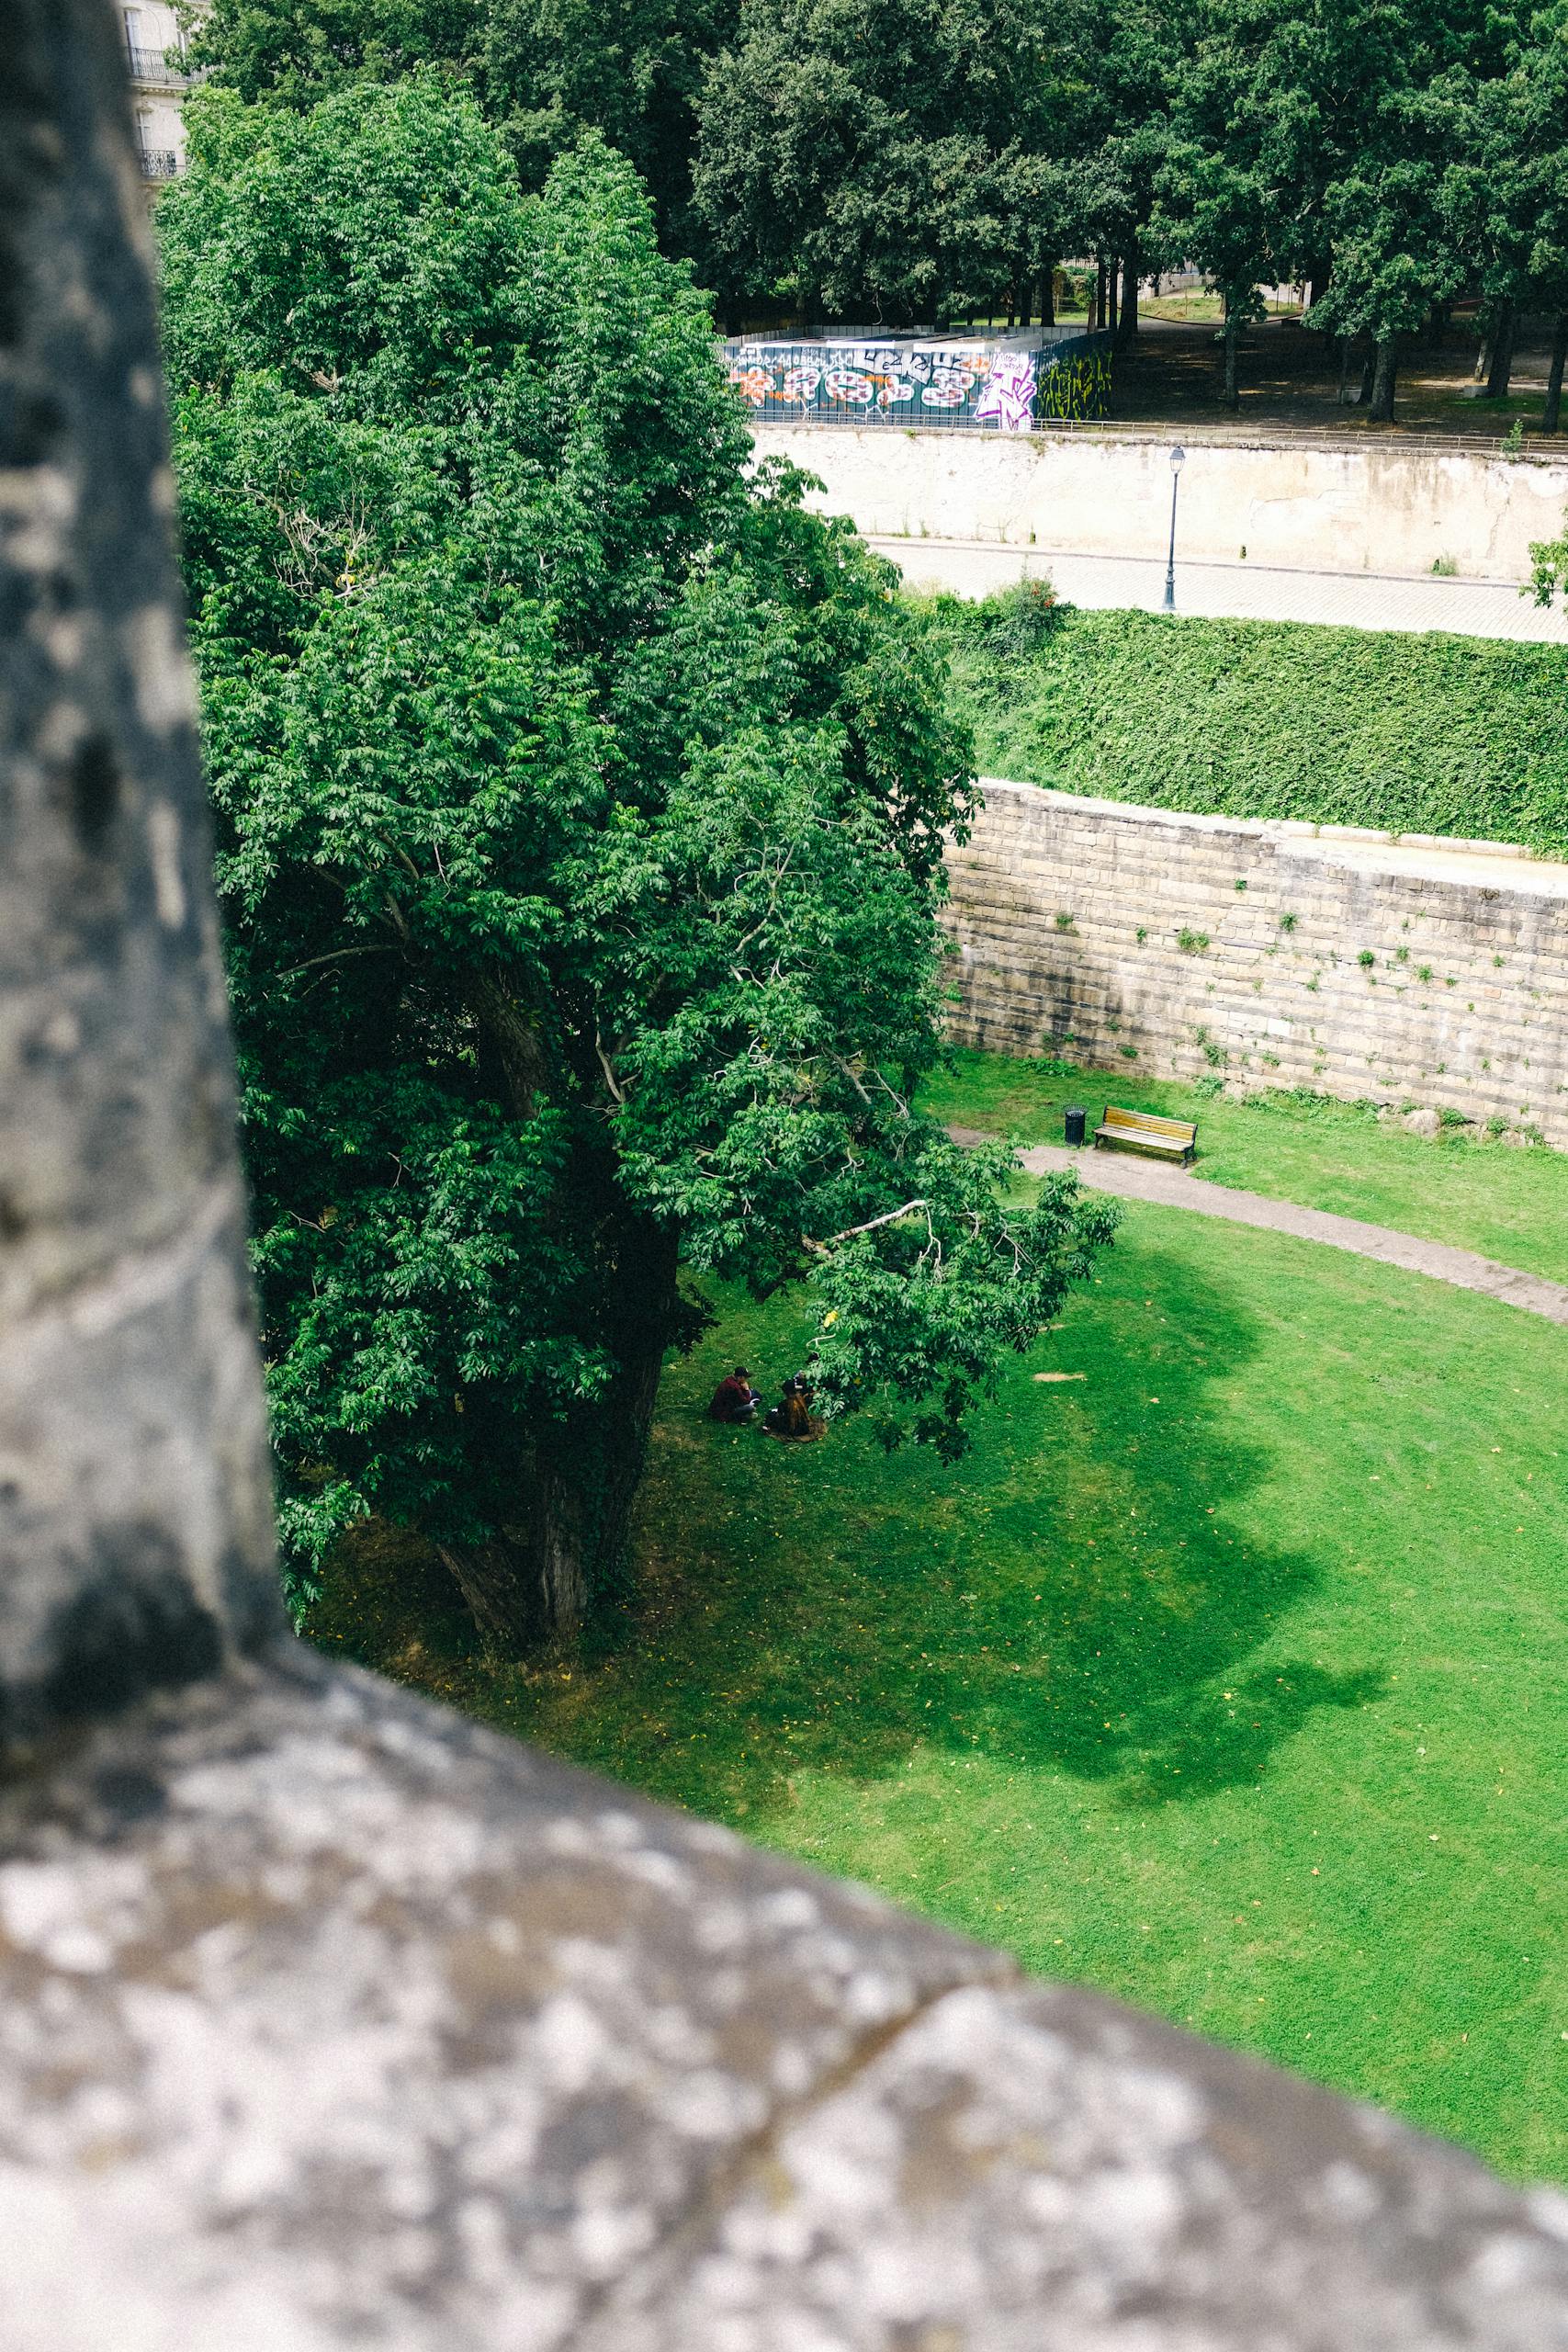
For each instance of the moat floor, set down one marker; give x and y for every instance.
(1228, 1671)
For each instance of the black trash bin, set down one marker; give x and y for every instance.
(1073, 1122)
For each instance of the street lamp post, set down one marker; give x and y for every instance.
(1176, 457)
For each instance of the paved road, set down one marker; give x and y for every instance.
(1153, 1180)
(1233, 591)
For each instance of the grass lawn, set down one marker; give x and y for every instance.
(1230, 1677)
(1509, 1204)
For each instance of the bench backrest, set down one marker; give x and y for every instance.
(1149, 1123)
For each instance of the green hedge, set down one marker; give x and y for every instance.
(1417, 734)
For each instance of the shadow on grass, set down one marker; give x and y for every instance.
(1068, 1599)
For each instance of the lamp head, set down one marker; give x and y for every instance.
(1177, 458)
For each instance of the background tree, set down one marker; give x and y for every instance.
(1126, 64)
(881, 160)
(1393, 256)
(630, 69)
(1506, 194)
(581, 807)
(295, 51)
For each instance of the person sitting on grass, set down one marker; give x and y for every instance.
(792, 1417)
(734, 1399)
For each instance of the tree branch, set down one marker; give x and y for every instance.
(889, 1216)
(605, 1065)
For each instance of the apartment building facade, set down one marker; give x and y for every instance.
(155, 45)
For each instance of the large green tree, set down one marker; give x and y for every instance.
(881, 160)
(1505, 192)
(580, 805)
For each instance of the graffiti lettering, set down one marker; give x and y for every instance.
(847, 384)
(1009, 396)
(1004, 387)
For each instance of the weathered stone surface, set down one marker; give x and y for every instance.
(1145, 940)
(328, 2020)
(1042, 2172)
(135, 1540)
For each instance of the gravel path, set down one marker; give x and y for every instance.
(1231, 591)
(1136, 1179)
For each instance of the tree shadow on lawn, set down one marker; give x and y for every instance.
(1067, 1599)
(1063, 1599)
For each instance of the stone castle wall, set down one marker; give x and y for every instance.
(1141, 941)
(1386, 508)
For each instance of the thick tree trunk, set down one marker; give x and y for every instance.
(1100, 292)
(1129, 299)
(1502, 367)
(1369, 370)
(1231, 337)
(1553, 408)
(534, 1576)
(1048, 295)
(1112, 275)
(1383, 381)
(525, 1583)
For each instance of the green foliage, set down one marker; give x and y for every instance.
(579, 807)
(297, 51)
(1430, 734)
(1019, 620)
(555, 69)
(873, 158)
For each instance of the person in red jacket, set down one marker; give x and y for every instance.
(734, 1399)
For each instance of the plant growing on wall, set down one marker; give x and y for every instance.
(1415, 733)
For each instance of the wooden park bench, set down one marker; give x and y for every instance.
(1145, 1131)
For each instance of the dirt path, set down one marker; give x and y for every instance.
(1134, 1179)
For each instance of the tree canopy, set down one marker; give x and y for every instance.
(581, 804)
(933, 158)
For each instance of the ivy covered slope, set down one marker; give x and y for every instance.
(579, 803)
(1417, 734)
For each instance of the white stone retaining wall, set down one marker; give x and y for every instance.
(1142, 941)
(1387, 508)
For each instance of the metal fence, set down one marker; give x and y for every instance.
(995, 384)
(158, 163)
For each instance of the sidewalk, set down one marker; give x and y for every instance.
(1132, 1179)
(1233, 590)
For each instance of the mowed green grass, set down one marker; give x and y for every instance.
(1229, 1677)
(1507, 1202)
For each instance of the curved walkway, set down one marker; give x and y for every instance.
(1151, 1180)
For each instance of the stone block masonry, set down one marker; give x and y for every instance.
(1143, 942)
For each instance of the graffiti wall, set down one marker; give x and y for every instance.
(1005, 386)
(1077, 383)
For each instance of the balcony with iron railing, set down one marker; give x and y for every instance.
(152, 66)
(158, 163)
